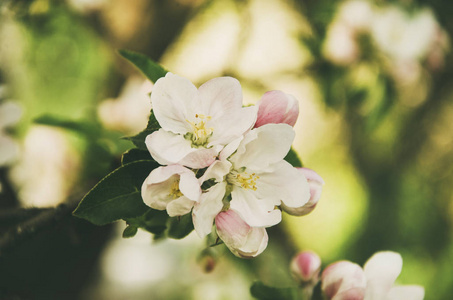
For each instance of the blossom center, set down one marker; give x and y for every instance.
(243, 179)
(200, 133)
(175, 193)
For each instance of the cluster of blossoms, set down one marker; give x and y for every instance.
(224, 163)
(345, 280)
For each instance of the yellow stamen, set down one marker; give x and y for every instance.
(244, 180)
(175, 193)
(200, 132)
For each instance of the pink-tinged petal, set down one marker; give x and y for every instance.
(189, 185)
(200, 157)
(219, 96)
(216, 171)
(252, 210)
(342, 276)
(284, 183)
(172, 101)
(305, 267)
(243, 241)
(276, 139)
(277, 107)
(209, 205)
(158, 189)
(180, 206)
(232, 125)
(351, 294)
(406, 292)
(381, 271)
(315, 183)
(167, 148)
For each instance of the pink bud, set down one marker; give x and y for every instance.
(344, 280)
(315, 182)
(277, 107)
(305, 267)
(244, 241)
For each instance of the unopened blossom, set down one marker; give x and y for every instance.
(277, 107)
(172, 188)
(315, 182)
(305, 267)
(196, 123)
(254, 179)
(345, 280)
(242, 240)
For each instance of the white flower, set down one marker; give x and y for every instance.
(196, 124)
(254, 179)
(345, 280)
(173, 188)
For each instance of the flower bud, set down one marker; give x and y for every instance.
(244, 241)
(305, 268)
(277, 107)
(344, 280)
(315, 182)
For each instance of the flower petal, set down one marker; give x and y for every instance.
(275, 138)
(285, 183)
(189, 186)
(407, 292)
(381, 271)
(342, 276)
(277, 107)
(252, 210)
(207, 208)
(257, 240)
(180, 206)
(168, 148)
(216, 171)
(172, 101)
(219, 96)
(232, 125)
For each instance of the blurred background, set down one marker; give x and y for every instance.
(374, 80)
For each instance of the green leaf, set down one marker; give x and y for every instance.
(263, 292)
(135, 154)
(180, 227)
(293, 159)
(139, 139)
(130, 231)
(154, 221)
(117, 196)
(148, 67)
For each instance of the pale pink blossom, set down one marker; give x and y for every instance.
(315, 182)
(277, 107)
(242, 240)
(196, 123)
(345, 280)
(172, 188)
(305, 267)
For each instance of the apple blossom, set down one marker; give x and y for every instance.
(254, 182)
(242, 240)
(305, 268)
(173, 188)
(277, 107)
(196, 123)
(315, 182)
(346, 280)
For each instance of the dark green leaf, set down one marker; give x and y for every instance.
(180, 227)
(130, 231)
(117, 196)
(134, 155)
(154, 221)
(139, 139)
(148, 67)
(293, 158)
(263, 292)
